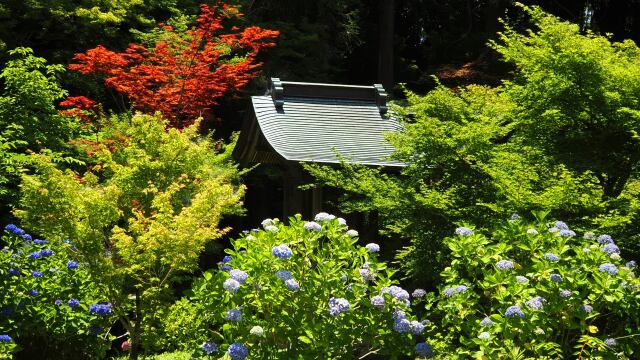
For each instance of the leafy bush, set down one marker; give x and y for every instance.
(305, 290)
(48, 300)
(142, 213)
(538, 291)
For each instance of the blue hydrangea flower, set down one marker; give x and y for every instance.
(551, 257)
(610, 342)
(292, 285)
(342, 221)
(505, 264)
(449, 292)
(424, 350)
(567, 233)
(46, 252)
(586, 308)
(5, 338)
(536, 303)
(73, 302)
(36, 274)
(27, 237)
(367, 275)
(209, 347)
(33, 292)
(237, 351)
(556, 277)
(611, 249)
(561, 225)
(486, 322)
(337, 306)
(14, 229)
(522, 279)
(418, 293)
(234, 315)
(605, 239)
(514, 311)
(312, 226)
(464, 231)
(5, 250)
(323, 216)
(238, 275)
(283, 274)
(631, 264)
(399, 314)
(40, 242)
(377, 302)
(609, 268)
(100, 309)
(416, 327)
(282, 251)
(231, 285)
(402, 325)
(225, 259)
(35, 255)
(372, 247)
(461, 289)
(58, 302)
(225, 268)
(565, 293)
(7, 312)
(13, 272)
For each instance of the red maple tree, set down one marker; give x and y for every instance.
(183, 74)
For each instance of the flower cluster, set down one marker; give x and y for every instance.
(100, 309)
(338, 305)
(372, 247)
(234, 315)
(237, 351)
(514, 311)
(450, 291)
(505, 264)
(282, 251)
(464, 231)
(313, 226)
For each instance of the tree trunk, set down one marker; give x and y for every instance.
(135, 334)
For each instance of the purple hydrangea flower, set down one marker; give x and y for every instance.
(464, 231)
(418, 293)
(282, 251)
(337, 306)
(237, 351)
(567, 233)
(586, 308)
(33, 292)
(416, 327)
(13, 272)
(610, 342)
(100, 309)
(556, 277)
(605, 239)
(565, 293)
(514, 311)
(505, 264)
(209, 347)
(58, 302)
(631, 264)
(292, 285)
(73, 302)
(402, 325)
(36, 274)
(486, 321)
(238, 275)
(536, 302)
(372, 247)
(377, 302)
(397, 292)
(561, 225)
(283, 274)
(231, 285)
(551, 257)
(424, 350)
(461, 289)
(234, 315)
(609, 268)
(522, 279)
(611, 249)
(399, 314)
(72, 265)
(367, 275)
(312, 226)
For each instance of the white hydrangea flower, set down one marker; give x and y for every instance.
(352, 233)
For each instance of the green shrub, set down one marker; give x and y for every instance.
(537, 292)
(46, 297)
(280, 280)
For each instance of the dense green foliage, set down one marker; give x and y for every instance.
(141, 215)
(574, 295)
(288, 298)
(561, 136)
(46, 296)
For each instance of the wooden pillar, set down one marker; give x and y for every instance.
(316, 200)
(293, 199)
(386, 11)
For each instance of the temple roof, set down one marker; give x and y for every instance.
(310, 122)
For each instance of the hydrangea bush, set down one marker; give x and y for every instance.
(538, 291)
(48, 302)
(305, 290)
